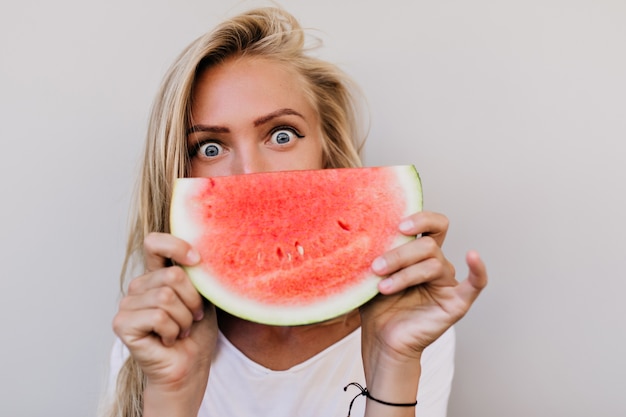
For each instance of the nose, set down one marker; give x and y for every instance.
(248, 160)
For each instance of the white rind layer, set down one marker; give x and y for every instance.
(328, 308)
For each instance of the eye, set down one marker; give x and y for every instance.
(209, 149)
(284, 135)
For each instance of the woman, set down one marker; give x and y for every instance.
(246, 98)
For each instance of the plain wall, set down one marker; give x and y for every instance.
(514, 112)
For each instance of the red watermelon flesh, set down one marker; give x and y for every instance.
(292, 247)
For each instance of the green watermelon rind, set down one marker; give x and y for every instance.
(283, 315)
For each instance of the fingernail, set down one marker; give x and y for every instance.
(379, 264)
(386, 284)
(199, 315)
(406, 225)
(193, 256)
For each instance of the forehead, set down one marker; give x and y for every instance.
(249, 84)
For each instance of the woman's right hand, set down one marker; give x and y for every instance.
(167, 328)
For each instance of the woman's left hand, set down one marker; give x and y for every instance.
(420, 296)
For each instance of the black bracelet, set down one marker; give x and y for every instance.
(364, 392)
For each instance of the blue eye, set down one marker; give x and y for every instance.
(210, 150)
(283, 136)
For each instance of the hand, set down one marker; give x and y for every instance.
(420, 298)
(165, 325)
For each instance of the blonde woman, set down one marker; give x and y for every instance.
(246, 98)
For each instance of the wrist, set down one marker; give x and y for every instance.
(393, 380)
(365, 392)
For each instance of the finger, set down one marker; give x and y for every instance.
(134, 326)
(428, 271)
(159, 247)
(163, 298)
(426, 223)
(403, 256)
(175, 279)
(476, 281)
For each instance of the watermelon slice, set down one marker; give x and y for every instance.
(293, 247)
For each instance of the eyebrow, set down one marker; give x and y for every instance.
(207, 128)
(280, 112)
(257, 122)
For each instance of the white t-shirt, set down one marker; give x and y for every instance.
(239, 387)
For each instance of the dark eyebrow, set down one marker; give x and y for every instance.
(281, 112)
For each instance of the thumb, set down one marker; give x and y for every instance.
(476, 280)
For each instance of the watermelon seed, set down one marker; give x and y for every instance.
(343, 225)
(300, 249)
(208, 208)
(279, 252)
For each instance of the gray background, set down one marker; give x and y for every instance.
(514, 112)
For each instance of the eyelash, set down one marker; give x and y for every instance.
(193, 151)
(289, 128)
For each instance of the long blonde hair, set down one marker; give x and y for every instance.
(270, 33)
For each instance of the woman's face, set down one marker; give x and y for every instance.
(252, 115)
